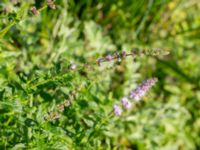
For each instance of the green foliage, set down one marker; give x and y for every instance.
(35, 75)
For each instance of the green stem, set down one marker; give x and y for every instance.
(5, 30)
(41, 9)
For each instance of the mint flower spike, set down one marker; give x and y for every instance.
(117, 110)
(142, 89)
(126, 103)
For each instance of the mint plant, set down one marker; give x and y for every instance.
(99, 75)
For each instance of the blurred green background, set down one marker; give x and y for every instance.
(36, 52)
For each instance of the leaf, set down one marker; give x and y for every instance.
(2, 93)
(18, 18)
(6, 29)
(21, 13)
(19, 146)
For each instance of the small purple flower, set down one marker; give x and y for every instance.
(142, 89)
(108, 57)
(117, 110)
(126, 103)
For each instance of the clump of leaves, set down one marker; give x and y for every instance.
(61, 74)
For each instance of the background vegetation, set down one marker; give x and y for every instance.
(35, 54)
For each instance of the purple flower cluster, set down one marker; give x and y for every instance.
(117, 110)
(134, 53)
(136, 95)
(126, 103)
(142, 89)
